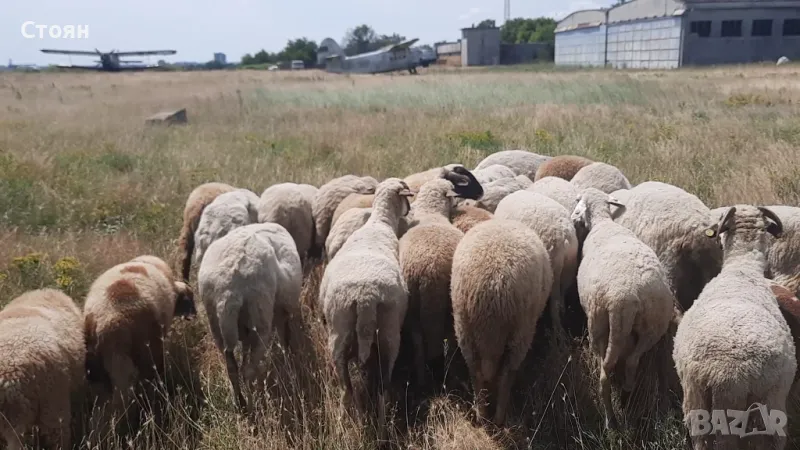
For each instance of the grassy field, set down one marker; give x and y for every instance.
(84, 185)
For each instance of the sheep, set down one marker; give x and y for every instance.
(363, 292)
(416, 180)
(624, 291)
(522, 162)
(42, 357)
(290, 205)
(558, 189)
(552, 223)
(499, 189)
(783, 260)
(198, 199)
(493, 173)
(677, 226)
(602, 176)
(733, 347)
(331, 194)
(426, 257)
(501, 279)
(790, 308)
(228, 211)
(127, 316)
(352, 201)
(250, 283)
(349, 222)
(467, 215)
(562, 166)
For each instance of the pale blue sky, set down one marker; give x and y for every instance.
(198, 28)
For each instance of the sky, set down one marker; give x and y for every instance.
(199, 28)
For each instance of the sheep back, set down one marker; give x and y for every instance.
(522, 162)
(558, 189)
(562, 166)
(467, 215)
(290, 205)
(601, 176)
(331, 194)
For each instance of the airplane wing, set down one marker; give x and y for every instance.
(404, 44)
(69, 52)
(99, 68)
(147, 52)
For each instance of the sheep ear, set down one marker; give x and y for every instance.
(451, 194)
(406, 193)
(616, 203)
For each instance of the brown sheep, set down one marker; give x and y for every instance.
(467, 215)
(200, 197)
(127, 315)
(790, 308)
(354, 200)
(562, 166)
(42, 353)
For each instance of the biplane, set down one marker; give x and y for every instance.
(110, 61)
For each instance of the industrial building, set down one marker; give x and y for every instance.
(666, 34)
(481, 46)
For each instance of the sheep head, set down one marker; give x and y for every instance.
(592, 204)
(744, 228)
(465, 185)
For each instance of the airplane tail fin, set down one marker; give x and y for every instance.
(328, 47)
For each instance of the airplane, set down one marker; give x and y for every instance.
(390, 58)
(109, 61)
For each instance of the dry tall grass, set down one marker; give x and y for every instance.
(85, 185)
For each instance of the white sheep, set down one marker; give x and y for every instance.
(784, 262)
(127, 316)
(733, 347)
(250, 283)
(493, 173)
(363, 292)
(624, 291)
(559, 189)
(42, 355)
(497, 190)
(198, 199)
(228, 211)
(500, 283)
(426, 258)
(331, 194)
(676, 225)
(290, 205)
(522, 162)
(601, 176)
(352, 220)
(552, 223)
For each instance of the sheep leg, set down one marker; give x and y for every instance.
(389, 325)
(776, 400)
(233, 375)
(419, 353)
(339, 345)
(644, 343)
(13, 438)
(694, 398)
(55, 431)
(605, 395)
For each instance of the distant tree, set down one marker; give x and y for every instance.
(488, 23)
(302, 49)
(248, 60)
(520, 30)
(359, 40)
(363, 38)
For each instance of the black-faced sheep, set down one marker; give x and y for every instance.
(42, 355)
(500, 283)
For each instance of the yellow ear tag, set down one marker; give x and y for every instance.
(710, 233)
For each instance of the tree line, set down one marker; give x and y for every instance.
(363, 38)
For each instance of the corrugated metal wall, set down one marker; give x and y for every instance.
(645, 44)
(581, 47)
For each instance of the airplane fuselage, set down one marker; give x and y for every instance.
(375, 62)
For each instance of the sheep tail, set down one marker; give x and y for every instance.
(186, 246)
(95, 370)
(619, 328)
(366, 327)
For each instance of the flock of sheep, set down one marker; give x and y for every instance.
(474, 256)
